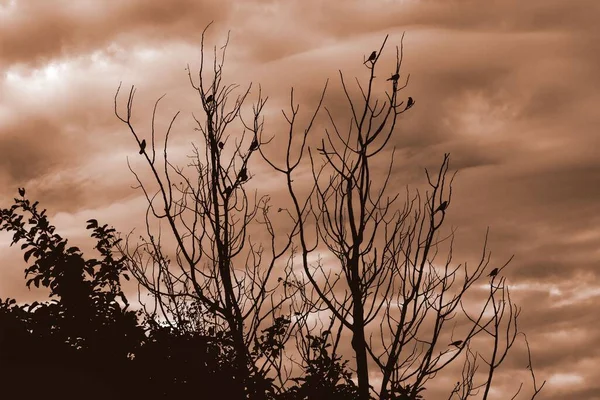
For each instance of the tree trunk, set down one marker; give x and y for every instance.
(359, 346)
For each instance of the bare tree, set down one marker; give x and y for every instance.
(220, 280)
(388, 285)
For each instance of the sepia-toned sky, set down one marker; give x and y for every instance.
(508, 87)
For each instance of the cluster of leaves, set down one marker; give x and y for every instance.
(406, 392)
(86, 333)
(85, 310)
(326, 375)
(270, 342)
(85, 342)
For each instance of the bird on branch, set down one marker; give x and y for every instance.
(410, 103)
(243, 175)
(394, 77)
(442, 207)
(210, 98)
(22, 192)
(456, 343)
(254, 144)
(494, 272)
(221, 145)
(372, 57)
(143, 146)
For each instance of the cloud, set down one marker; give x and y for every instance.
(34, 32)
(505, 86)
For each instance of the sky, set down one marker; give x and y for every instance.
(507, 87)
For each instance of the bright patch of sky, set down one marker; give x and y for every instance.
(7, 7)
(565, 380)
(38, 82)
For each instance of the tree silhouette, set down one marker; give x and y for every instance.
(84, 329)
(386, 286)
(87, 291)
(216, 265)
(85, 342)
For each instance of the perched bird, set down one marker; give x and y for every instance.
(442, 207)
(22, 192)
(494, 272)
(210, 98)
(254, 145)
(410, 103)
(456, 343)
(221, 145)
(394, 77)
(279, 209)
(372, 57)
(243, 175)
(143, 146)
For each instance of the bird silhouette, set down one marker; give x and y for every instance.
(494, 272)
(210, 98)
(221, 145)
(22, 192)
(410, 103)
(372, 57)
(243, 175)
(254, 145)
(280, 209)
(394, 77)
(442, 207)
(456, 343)
(143, 146)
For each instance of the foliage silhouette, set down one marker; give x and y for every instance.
(325, 376)
(83, 329)
(84, 341)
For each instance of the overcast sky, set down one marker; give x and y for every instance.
(508, 87)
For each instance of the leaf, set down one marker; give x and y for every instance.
(92, 262)
(32, 306)
(28, 254)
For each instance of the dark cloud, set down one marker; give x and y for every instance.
(507, 87)
(35, 32)
(30, 149)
